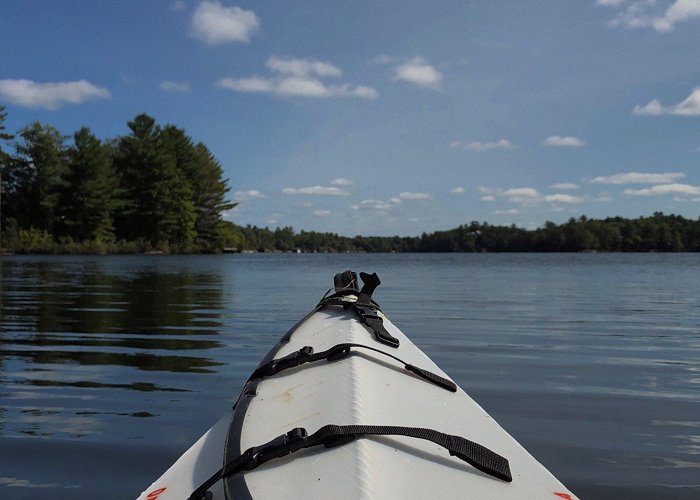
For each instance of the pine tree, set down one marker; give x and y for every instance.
(90, 198)
(36, 176)
(158, 204)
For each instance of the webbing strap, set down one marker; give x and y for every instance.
(364, 308)
(306, 355)
(368, 314)
(476, 455)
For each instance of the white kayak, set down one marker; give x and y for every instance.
(346, 407)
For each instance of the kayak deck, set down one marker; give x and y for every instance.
(363, 388)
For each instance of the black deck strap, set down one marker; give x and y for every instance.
(367, 312)
(307, 355)
(476, 455)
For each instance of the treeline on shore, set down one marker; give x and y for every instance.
(155, 190)
(657, 233)
(151, 190)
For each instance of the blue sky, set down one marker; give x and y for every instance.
(387, 117)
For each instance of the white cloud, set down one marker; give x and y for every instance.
(662, 189)
(29, 94)
(177, 6)
(484, 146)
(525, 196)
(303, 87)
(315, 190)
(563, 141)
(564, 185)
(340, 181)
(510, 211)
(377, 204)
(639, 178)
(650, 13)
(365, 92)
(610, 3)
(690, 106)
(418, 72)
(322, 213)
(252, 194)
(415, 196)
(170, 86)
(253, 84)
(302, 67)
(457, 190)
(298, 78)
(522, 192)
(215, 24)
(562, 198)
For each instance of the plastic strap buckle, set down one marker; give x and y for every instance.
(279, 447)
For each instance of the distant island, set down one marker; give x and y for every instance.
(157, 191)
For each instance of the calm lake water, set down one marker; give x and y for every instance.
(110, 367)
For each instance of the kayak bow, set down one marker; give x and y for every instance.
(346, 406)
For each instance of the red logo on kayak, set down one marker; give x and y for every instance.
(567, 496)
(153, 495)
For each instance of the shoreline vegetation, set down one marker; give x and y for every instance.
(657, 233)
(155, 191)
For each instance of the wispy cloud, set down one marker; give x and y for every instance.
(483, 146)
(690, 106)
(302, 67)
(661, 16)
(252, 194)
(527, 196)
(322, 213)
(215, 24)
(418, 72)
(170, 86)
(457, 190)
(610, 3)
(415, 196)
(684, 189)
(565, 185)
(340, 181)
(298, 78)
(639, 178)
(377, 204)
(29, 94)
(315, 190)
(564, 141)
(562, 198)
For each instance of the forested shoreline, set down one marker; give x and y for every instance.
(151, 190)
(656, 233)
(156, 190)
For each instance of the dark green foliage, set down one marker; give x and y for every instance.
(659, 233)
(157, 199)
(91, 196)
(35, 177)
(150, 190)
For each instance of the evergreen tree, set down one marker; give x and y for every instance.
(36, 176)
(209, 196)
(91, 195)
(158, 204)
